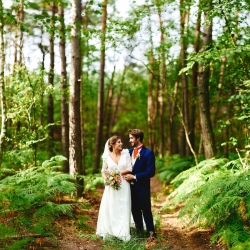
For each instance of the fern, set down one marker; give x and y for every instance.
(92, 181)
(216, 193)
(190, 180)
(21, 244)
(31, 199)
(170, 167)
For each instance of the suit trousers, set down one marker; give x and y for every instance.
(141, 206)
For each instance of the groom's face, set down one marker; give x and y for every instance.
(134, 141)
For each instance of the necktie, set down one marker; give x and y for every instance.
(136, 150)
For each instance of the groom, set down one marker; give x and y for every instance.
(143, 162)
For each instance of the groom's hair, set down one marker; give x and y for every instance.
(137, 133)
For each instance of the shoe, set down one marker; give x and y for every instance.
(151, 240)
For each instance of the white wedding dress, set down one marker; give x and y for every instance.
(115, 209)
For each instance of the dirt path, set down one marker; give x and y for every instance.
(175, 236)
(178, 236)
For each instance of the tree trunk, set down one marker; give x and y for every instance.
(163, 84)
(51, 80)
(150, 105)
(108, 106)
(117, 104)
(184, 14)
(100, 105)
(194, 79)
(75, 152)
(203, 94)
(64, 86)
(2, 83)
(85, 54)
(18, 42)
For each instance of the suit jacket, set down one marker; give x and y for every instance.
(144, 169)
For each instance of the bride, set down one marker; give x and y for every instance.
(115, 209)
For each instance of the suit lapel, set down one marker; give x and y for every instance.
(137, 162)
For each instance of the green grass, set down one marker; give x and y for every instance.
(136, 243)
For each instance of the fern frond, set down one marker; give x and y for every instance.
(216, 193)
(169, 167)
(6, 231)
(53, 209)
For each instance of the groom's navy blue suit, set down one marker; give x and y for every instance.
(143, 169)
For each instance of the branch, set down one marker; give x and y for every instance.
(173, 99)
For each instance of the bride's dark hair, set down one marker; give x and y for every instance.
(112, 141)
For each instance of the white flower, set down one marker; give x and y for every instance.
(138, 156)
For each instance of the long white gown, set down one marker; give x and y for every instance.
(115, 208)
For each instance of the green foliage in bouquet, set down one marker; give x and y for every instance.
(216, 193)
(169, 167)
(30, 201)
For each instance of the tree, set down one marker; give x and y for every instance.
(64, 86)
(51, 76)
(19, 35)
(75, 152)
(163, 82)
(184, 18)
(2, 85)
(100, 105)
(203, 90)
(151, 104)
(195, 78)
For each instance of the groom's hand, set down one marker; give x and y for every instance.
(129, 177)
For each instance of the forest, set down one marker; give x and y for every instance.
(74, 72)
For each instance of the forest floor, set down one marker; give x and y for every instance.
(171, 234)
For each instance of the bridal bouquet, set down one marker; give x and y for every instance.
(113, 179)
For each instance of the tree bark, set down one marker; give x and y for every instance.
(85, 54)
(203, 94)
(18, 42)
(162, 86)
(108, 106)
(2, 83)
(100, 105)
(194, 79)
(117, 104)
(151, 104)
(75, 152)
(184, 15)
(64, 87)
(51, 80)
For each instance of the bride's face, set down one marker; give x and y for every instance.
(117, 146)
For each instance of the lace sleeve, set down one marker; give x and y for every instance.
(128, 161)
(104, 165)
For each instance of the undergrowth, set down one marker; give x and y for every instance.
(216, 194)
(136, 243)
(170, 166)
(30, 201)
